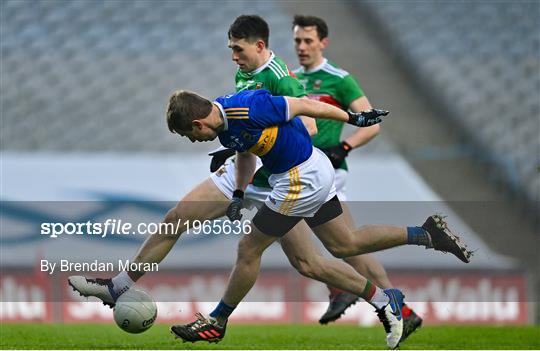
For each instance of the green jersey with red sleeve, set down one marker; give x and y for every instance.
(330, 84)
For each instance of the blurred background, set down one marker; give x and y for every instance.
(84, 86)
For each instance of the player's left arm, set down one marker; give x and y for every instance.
(290, 86)
(317, 109)
(362, 135)
(309, 123)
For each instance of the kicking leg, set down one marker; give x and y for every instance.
(343, 242)
(204, 202)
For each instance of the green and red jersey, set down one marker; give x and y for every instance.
(330, 84)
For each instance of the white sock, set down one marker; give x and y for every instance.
(379, 299)
(122, 282)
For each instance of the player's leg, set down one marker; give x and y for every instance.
(246, 268)
(294, 194)
(365, 264)
(343, 242)
(388, 302)
(371, 268)
(204, 202)
(368, 266)
(307, 259)
(242, 278)
(317, 176)
(267, 227)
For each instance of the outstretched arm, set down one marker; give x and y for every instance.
(362, 136)
(309, 122)
(317, 109)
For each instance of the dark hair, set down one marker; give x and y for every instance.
(250, 28)
(309, 21)
(183, 108)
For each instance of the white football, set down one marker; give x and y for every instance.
(135, 311)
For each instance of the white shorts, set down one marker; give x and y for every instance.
(224, 179)
(341, 188)
(302, 190)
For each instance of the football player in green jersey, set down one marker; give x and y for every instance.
(326, 82)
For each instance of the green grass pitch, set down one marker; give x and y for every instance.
(266, 337)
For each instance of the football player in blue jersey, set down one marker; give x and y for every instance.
(255, 123)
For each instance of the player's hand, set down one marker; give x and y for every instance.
(366, 118)
(219, 157)
(337, 153)
(235, 206)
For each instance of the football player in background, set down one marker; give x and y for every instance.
(327, 82)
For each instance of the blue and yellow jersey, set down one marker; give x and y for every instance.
(258, 122)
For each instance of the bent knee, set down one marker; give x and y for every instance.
(342, 251)
(307, 267)
(184, 211)
(172, 215)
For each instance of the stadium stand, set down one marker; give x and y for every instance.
(480, 61)
(109, 68)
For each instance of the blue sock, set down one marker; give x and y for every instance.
(222, 312)
(418, 236)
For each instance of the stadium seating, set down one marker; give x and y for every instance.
(481, 61)
(95, 76)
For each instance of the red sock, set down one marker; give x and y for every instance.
(369, 291)
(334, 291)
(406, 311)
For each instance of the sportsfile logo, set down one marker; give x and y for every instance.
(109, 227)
(120, 227)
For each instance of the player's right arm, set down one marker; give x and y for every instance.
(246, 164)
